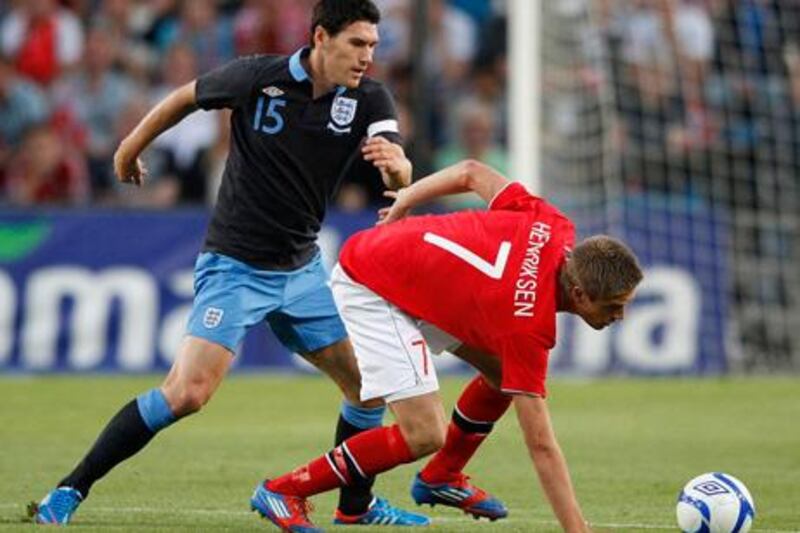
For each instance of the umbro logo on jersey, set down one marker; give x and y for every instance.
(272, 91)
(213, 317)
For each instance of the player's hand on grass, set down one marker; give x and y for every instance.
(396, 211)
(390, 159)
(128, 167)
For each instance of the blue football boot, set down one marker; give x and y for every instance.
(381, 512)
(57, 507)
(290, 513)
(461, 494)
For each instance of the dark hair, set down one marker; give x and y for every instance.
(336, 15)
(603, 267)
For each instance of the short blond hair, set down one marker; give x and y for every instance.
(603, 267)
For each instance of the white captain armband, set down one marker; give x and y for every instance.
(383, 126)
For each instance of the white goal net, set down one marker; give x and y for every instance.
(676, 124)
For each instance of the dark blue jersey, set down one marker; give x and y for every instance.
(288, 154)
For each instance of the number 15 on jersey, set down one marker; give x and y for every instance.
(269, 120)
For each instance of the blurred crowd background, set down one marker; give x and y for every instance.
(687, 76)
(75, 76)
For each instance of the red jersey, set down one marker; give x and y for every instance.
(489, 278)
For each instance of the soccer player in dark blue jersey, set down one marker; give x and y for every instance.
(298, 128)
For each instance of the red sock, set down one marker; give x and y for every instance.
(478, 408)
(361, 456)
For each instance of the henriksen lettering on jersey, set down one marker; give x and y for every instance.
(528, 279)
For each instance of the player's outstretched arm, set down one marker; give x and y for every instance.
(464, 176)
(164, 115)
(551, 466)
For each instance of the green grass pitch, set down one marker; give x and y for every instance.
(631, 445)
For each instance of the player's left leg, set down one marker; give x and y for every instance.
(443, 481)
(310, 325)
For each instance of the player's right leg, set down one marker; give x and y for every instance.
(223, 309)
(418, 432)
(195, 375)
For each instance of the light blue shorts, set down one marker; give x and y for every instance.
(231, 296)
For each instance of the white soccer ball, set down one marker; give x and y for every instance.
(715, 503)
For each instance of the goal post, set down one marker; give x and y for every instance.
(524, 91)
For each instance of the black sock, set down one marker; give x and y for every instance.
(124, 435)
(354, 499)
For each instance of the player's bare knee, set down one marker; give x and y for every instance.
(423, 439)
(436, 439)
(422, 422)
(186, 399)
(181, 405)
(193, 401)
(425, 443)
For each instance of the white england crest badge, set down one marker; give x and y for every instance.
(212, 317)
(343, 110)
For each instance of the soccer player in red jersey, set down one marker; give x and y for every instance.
(487, 285)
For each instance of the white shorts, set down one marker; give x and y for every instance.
(393, 349)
